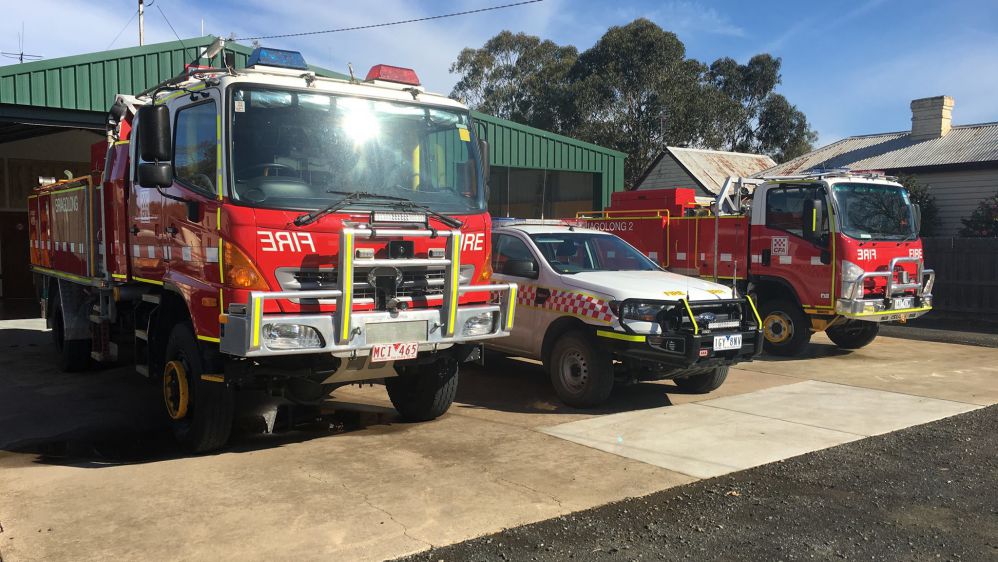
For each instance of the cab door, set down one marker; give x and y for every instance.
(514, 262)
(784, 247)
(145, 206)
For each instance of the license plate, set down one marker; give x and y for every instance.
(731, 341)
(394, 352)
(902, 303)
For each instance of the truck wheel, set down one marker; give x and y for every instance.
(424, 392)
(200, 411)
(74, 355)
(704, 382)
(785, 327)
(581, 370)
(853, 334)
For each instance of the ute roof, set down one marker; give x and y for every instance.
(545, 227)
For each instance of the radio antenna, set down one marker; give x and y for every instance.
(20, 55)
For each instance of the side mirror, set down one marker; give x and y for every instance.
(521, 268)
(483, 153)
(155, 174)
(154, 133)
(916, 211)
(814, 210)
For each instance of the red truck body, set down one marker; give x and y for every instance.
(762, 248)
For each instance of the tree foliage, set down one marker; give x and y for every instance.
(921, 195)
(983, 222)
(636, 91)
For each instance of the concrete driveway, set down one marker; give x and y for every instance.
(86, 471)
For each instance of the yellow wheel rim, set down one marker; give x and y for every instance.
(777, 327)
(175, 391)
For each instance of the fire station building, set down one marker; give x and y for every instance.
(53, 111)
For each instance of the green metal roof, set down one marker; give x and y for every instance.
(521, 146)
(89, 82)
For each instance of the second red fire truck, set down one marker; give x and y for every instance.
(830, 251)
(270, 229)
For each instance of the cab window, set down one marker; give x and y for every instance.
(511, 256)
(785, 208)
(195, 155)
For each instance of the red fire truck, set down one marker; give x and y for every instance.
(270, 229)
(833, 251)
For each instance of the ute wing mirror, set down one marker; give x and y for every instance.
(155, 147)
(521, 268)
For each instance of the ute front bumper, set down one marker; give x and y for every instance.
(245, 330)
(692, 345)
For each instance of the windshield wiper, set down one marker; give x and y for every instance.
(405, 204)
(351, 197)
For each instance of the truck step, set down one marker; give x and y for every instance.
(142, 335)
(142, 370)
(149, 297)
(96, 318)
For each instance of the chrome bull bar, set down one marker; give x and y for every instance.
(344, 332)
(882, 309)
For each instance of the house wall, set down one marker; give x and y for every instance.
(669, 174)
(958, 193)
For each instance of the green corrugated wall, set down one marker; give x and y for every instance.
(520, 146)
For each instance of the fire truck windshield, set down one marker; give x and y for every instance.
(301, 150)
(575, 252)
(869, 211)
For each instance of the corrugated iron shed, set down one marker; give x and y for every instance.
(964, 144)
(89, 82)
(708, 168)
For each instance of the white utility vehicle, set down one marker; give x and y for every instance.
(597, 311)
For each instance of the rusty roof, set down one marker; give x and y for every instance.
(964, 144)
(711, 167)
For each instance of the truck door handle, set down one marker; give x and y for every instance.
(172, 230)
(767, 257)
(134, 229)
(542, 296)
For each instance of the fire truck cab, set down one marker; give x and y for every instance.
(273, 230)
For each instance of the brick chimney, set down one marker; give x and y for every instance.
(931, 117)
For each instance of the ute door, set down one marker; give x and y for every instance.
(190, 230)
(514, 262)
(784, 247)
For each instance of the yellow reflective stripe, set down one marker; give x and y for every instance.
(696, 327)
(119, 276)
(221, 260)
(889, 312)
(208, 338)
(221, 304)
(213, 378)
(63, 274)
(814, 220)
(68, 190)
(218, 218)
(511, 307)
(455, 280)
(257, 317)
(144, 280)
(347, 298)
(758, 319)
(619, 336)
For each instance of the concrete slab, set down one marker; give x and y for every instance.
(843, 408)
(721, 435)
(961, 373)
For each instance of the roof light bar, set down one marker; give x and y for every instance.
(390, 73)
(277, 57)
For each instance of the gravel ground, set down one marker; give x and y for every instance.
(928, 492)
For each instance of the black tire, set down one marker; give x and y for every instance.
(785, 327)
(853, 334)
(424, 392)
(207, 422)
(704, 382)
(581, 370)
(74, 355)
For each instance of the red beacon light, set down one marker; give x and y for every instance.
(390, 73)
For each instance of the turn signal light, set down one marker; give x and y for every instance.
(239, 270)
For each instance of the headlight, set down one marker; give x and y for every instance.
(479, 325)
(642, 312)
(851, 272)
(291, 336)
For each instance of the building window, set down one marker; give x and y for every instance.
(195, 156)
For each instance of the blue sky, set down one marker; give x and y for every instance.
(851, 66)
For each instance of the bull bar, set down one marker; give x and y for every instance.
(883, 310)
(345, 333)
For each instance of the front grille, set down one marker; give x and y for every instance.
(416, 282)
